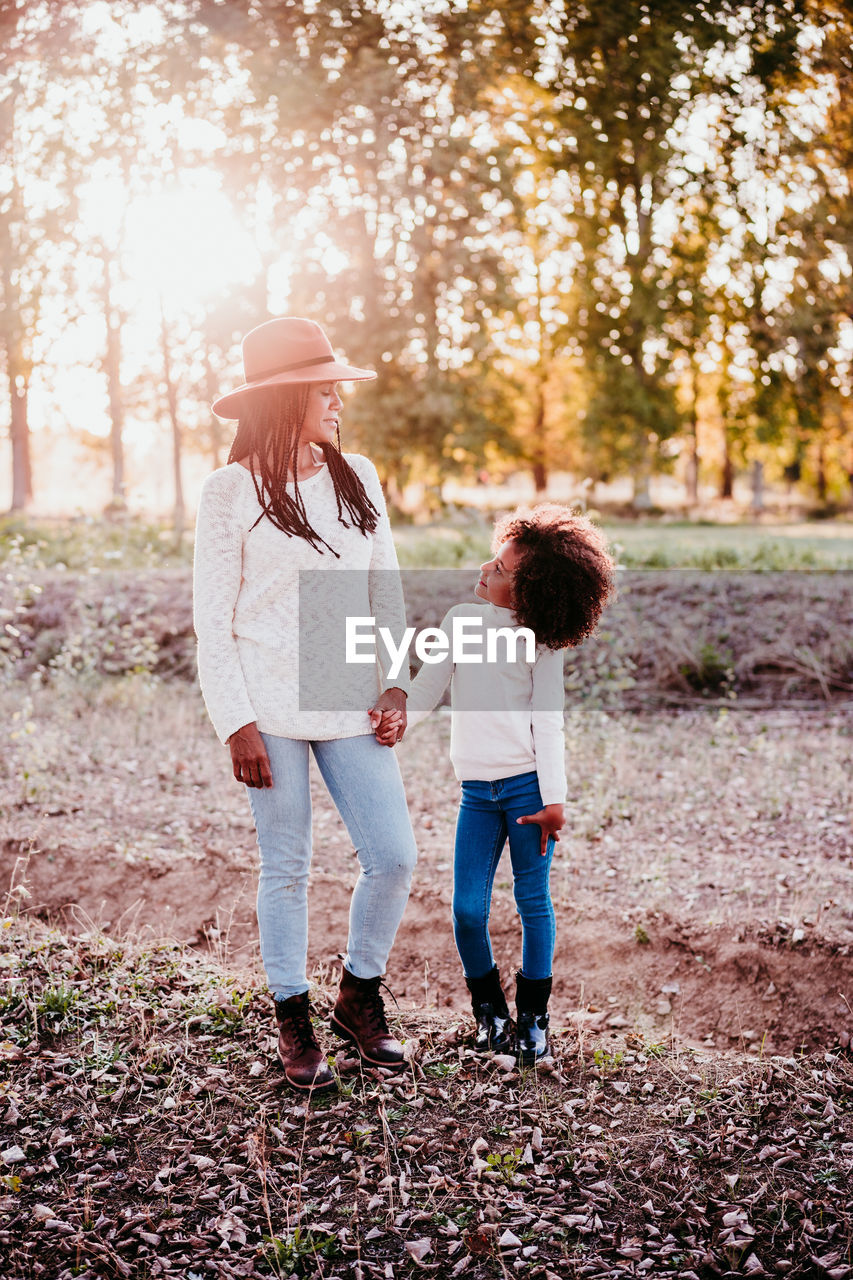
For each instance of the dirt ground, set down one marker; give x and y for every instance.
(702, 887)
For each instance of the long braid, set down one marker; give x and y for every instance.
(268, 431)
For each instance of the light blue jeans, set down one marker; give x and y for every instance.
(364, 781)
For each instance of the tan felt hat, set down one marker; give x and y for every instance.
(285, 351)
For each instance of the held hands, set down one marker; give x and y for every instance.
(387, 728)
(550, 821)
(249, 757)
(388, 717)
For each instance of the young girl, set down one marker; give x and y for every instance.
(552, 574)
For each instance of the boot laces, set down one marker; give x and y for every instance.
(374, 1004)
(299, 1023)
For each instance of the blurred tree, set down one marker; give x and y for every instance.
(626, 75)
(35, 198)
(388, 193)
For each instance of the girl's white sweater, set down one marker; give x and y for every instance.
(506, 716)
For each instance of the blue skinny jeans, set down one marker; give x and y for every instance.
(487, 817)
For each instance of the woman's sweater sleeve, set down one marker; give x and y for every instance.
(217, 574)
(547, 725)
(385, 587)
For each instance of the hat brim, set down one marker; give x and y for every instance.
(231, 406)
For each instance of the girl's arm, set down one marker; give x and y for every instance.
(431, 681)
(549, 744)
(549, 741)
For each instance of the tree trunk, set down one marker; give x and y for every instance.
(22, 475)
(172, 409)
(727, 478)
(641, 480)
(538, 459)
(757, 486)
(18, 372)
(693, 462)
(112, 368)
(821, 473)
(539, 451)
(216, 432)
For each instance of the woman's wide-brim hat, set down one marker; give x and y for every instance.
(282, 352)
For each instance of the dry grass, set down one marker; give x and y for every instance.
(146, 1134)
(677, 637)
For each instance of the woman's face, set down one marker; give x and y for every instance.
(323, 414)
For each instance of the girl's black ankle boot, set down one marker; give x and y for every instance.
(532, 1020)
(494, 1028)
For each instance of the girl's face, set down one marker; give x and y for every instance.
(496, 576)
(322, 415)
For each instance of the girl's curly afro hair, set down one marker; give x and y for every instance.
(564, 574)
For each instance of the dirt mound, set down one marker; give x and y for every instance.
(749, 989)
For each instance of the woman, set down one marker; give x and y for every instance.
(289, 502)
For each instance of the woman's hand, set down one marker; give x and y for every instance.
(249, 757)
(550, 820)
(390, 700)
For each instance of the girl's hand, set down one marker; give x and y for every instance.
(388, 729)
(249, 757)
(391, 700)
(550, 820)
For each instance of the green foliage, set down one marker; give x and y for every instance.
(88, 543)
(540, 226)
(298, 1253)
(711, 671)
(607, 1062)
(441, 1069)
(55, 1004)
(504, 1163)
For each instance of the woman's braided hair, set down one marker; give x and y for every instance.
(268, 432)
(564, 574)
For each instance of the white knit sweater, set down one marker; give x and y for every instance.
(506, 716)
(246, 605)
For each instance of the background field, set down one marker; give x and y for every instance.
(696, 1119)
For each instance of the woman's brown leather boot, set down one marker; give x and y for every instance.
(359, 1016)
(304, 1062)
